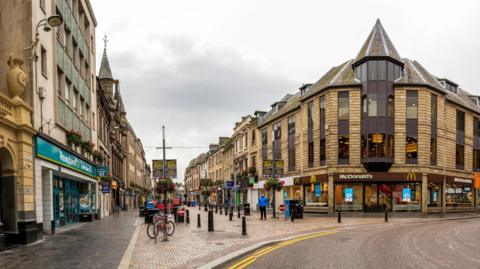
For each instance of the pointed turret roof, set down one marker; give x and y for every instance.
(105, 71)
(378, 44)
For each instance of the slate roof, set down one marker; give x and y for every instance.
(292, 102)
(105, 71)
(378, 44)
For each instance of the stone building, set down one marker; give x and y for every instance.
(136, 181)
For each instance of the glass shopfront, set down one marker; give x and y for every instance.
(407, 196)
(349, 196)
(70, 199)
(316, 194)
(459, 195)
(434, 198)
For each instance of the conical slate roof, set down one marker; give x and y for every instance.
(105, 71)
(378, 44)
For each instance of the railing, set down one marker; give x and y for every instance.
(6, 106)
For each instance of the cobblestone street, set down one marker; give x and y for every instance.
(98, 244)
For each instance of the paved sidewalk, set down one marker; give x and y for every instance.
(192, 247)
(98, 244)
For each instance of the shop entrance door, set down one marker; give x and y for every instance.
(378, 197)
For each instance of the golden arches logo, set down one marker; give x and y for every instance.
(411, 176)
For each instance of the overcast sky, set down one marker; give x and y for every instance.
(198, 66)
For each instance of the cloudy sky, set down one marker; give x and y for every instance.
(197, 66)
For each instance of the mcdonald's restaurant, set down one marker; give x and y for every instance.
(379, 191)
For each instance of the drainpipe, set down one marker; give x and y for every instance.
(444, 194)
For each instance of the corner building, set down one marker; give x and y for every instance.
(379, 132)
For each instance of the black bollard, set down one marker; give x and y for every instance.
(244, 226)
(210, 221)
(339, 216)
(292, 215)
(386, 215)
(206, 208)
(216, 209)
(198, 221)
(188, 216)
(221, 210)
(238, 212)
(226, 210)
(231, 216)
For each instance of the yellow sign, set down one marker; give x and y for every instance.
(377, 138)
(411, 176)
(476, 181)
(313, 180)
(114, 185)
(170, 168)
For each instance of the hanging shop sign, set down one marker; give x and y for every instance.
(114, 185)
(106, 188)
(170, 168)
(102, 171)
(52, 153)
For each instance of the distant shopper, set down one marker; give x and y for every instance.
(262, 204)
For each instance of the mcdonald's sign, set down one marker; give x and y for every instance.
(411, 176)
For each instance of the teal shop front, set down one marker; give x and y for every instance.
(69, 185)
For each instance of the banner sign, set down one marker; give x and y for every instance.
(318, 190)
(278, 168)
(50, 152)
(102, 171)
(170, 168)
(406, 195)
(267, 168)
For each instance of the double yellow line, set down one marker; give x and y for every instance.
(250, 259)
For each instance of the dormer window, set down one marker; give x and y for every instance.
(475, 100)
(449, 85)
(305, 88)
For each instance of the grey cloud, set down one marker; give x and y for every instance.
(198, 93)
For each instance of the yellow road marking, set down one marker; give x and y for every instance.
(250, 259)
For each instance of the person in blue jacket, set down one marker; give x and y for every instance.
(262, 204)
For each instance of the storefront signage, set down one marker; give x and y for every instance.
(170, 168)
(229, 184)
(102, 171)
(52, 153)
(297, 181)
(377, 176)
(462, 180)
(355, 176)
(106, 188)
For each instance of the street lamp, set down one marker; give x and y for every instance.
(48, 23)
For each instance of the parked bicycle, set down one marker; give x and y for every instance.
(160, 224)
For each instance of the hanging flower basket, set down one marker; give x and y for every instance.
(74, 137)
(165, 185)
(273, 183)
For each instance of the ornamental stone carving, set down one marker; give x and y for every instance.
(16, 77)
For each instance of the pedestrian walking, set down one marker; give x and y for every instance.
(262, 204)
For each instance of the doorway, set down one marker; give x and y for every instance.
(378, 197)
(7, 192)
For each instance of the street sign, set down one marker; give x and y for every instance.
(170, 168)
(102, 171)
(229, 184)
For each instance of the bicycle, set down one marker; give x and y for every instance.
(159, 223)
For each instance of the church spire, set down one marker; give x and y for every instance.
(105, 71)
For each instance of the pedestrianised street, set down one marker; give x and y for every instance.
(239, 134)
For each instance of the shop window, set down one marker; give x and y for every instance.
(406, 197)
(434, 198)
(376, 146)
(343, 149)
(391, 107)
(412, 105)
(433, 150)
(459, 195)
(412, 149)
(316, 194)
(43, 61)
(323, 151)
(349, 196)
(476, 160)
(459, 156)
(343, 105)
(372, 105)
